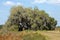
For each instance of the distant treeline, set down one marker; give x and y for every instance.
(1, 26)
(57, 28)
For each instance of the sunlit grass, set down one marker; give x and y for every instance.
(23, 35)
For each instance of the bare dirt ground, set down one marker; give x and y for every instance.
(52, 35)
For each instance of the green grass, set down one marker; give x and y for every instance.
(33, 35)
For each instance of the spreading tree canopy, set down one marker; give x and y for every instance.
(22, 18)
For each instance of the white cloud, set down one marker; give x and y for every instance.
(10, 3)
(39, 1)
(18, 3)
(47, 1)
(53, 1)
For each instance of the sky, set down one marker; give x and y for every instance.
(52, 7)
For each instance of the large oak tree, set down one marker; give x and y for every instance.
(31, 19)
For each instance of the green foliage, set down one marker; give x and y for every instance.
(29, 18)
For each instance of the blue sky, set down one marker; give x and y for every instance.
(52, 7)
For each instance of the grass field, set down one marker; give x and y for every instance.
(51, 35)
(24, 35)
(31, 35)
